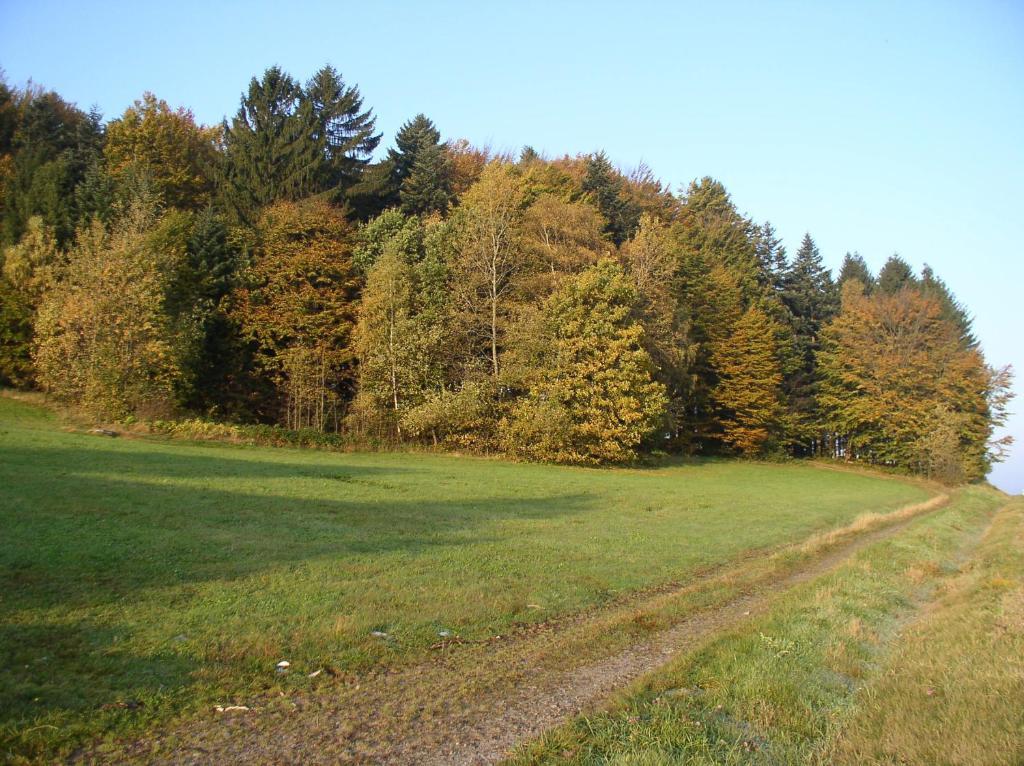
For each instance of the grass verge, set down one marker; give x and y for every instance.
(777, 689)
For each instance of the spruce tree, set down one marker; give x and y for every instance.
(427, 188)
(810, 296)
(605, 187)
(952, 309)
(855, 267)
(286, 143)
(771, 256)
(342, 129)
(895, 275)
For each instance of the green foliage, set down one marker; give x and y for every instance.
(809, 295)
(16, 320)
(432, 320)
(591, 398)
(855, 267)
(288, 142)
(52, 145)
(895, 275)
(606, 188)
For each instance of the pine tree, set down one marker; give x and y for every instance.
(415, 135)
(604, 185)
(895, 275)
(341, 128)
(269, 152)
(771, 256)
(855, 267)
(427, 188)
(286, 143)
(810, 297)
(952, 309)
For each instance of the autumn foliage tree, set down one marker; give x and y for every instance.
(166, 145)
(900, 388)
(105, 339)
(748, 397)
(591, 396)
(298, 305)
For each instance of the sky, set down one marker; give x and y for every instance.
(877, 127)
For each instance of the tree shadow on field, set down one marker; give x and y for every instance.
(75, 537)
(73, 669)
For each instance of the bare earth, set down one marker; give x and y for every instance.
(474, 703)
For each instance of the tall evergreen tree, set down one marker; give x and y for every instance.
(810, 296)
(895, 275)
(771, 256)
(427, 188)
(342, 129)
(855, 267)
(286, 143)
(53, 144)
(604, 184)
(952, 309)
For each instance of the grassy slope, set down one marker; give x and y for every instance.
(953, 691)
(782, 689)
(175, 575)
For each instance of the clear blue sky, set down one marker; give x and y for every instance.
(878, 127)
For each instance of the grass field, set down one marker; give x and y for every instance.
(144, 579)
(909, 653)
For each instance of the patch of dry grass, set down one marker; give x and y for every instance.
(953, 692)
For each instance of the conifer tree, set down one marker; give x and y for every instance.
(287, 143)
(427, 188)
(771, 256)
(343, 131)
(895, 275)
(952, 309)
(810, 297)
(604, 185)
(855, 267)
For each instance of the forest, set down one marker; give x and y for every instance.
(277, 270)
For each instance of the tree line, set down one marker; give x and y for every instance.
(268, 270)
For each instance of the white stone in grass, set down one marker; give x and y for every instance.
(283, 665)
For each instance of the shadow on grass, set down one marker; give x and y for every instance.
(73, 537)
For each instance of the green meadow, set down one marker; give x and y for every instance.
(142, 579)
